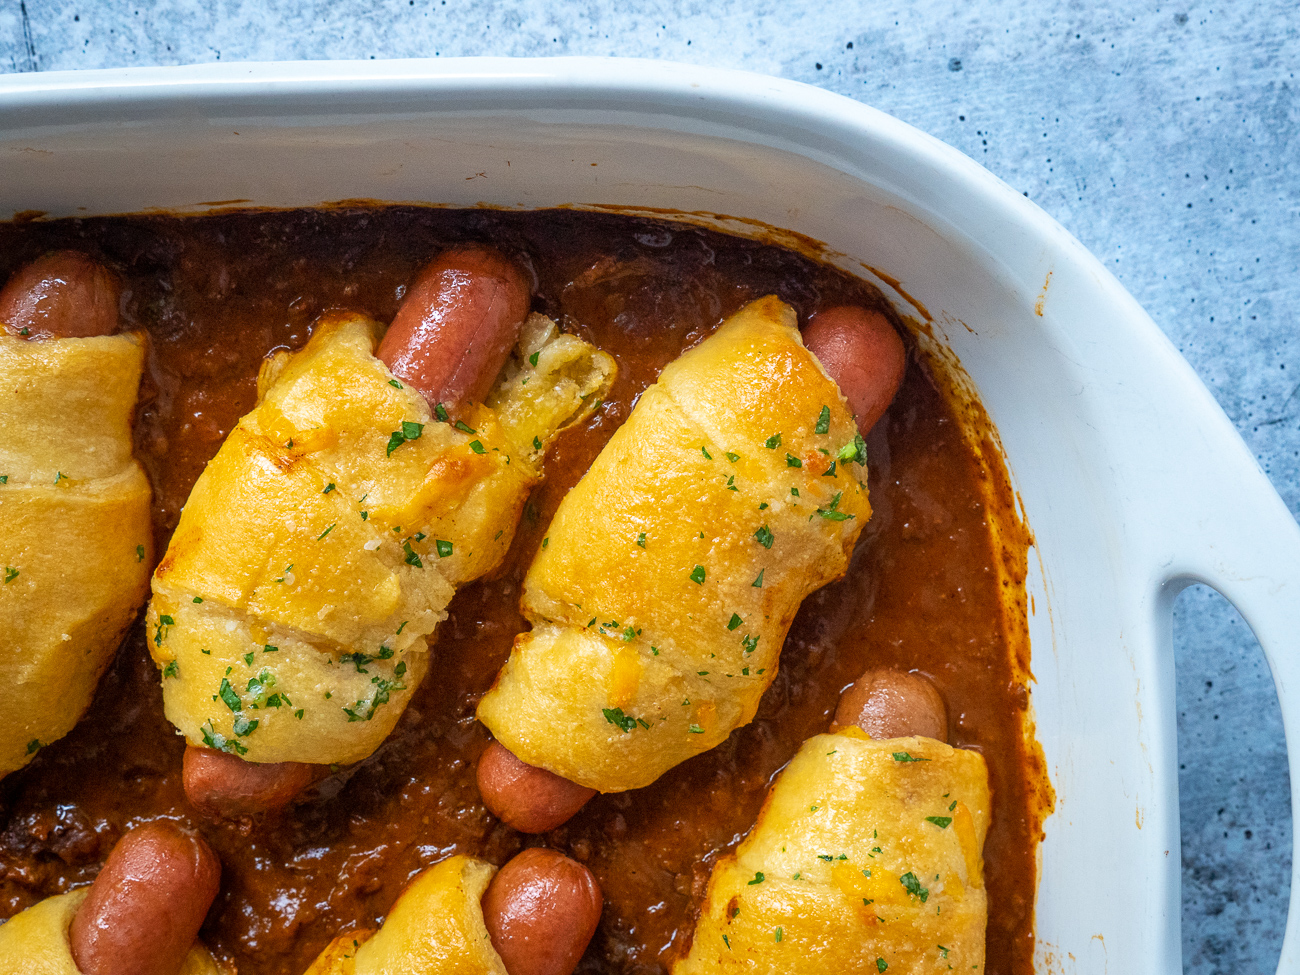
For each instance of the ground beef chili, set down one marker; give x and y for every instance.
(931, 587)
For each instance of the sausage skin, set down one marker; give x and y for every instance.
(64, 294)
(224, 786)
(449, 340)
(860, 350)
(893, 704)
(531, 799)
(145, 907)
(541, 910)
(457, 325)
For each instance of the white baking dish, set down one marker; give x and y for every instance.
(1132, 480)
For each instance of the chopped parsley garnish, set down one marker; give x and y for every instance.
(640, 540)
(944, 950)
(464, 427)
(705, 452)
(532, 359)
(410, 431)
(696, 729)
(855, 451)
(823, 421)
(794, 492)
(298, 714)
(477, 447)
(172, 669)
(327, 531)
(881, 964)
(248, 658)
(537, 443)
(444, 548)
(792, 461)
(158, 634)
(243, 727)
(726, 941)
(830, 471)
(395, 384)
(758, 582)
(139, 553)
(412, 557)
(34, 746)
(59, 476)
(328, 488)
(230, 696)
(440, 412)
(732, 457)
(907, 757)
(4, 478)
(772, 442)
(697, 575)
(779, 932)
(829, 511)
(758, 879)
(952, 806)
(909, 881)
(402, 627)
(213, 739)
(731, 483)
(546, 541)
(765, 537)
(627, 722)
(10, 574)
(750, 643)
(942, 822)
(365, 709)
(734, 622)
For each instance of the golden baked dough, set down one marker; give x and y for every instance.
(293, 610)
(35, 942)
(435, 928)
(75, 538)
(866, 858)
(672, 571)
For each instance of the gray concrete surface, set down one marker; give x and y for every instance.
(1166, 136)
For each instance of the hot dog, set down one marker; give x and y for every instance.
(892, 704)
(144, 909)
(534, 916)
(444, 354)
(541, 910)
(64, 294)
(860, 351)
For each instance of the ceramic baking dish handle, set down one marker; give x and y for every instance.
(1250, 552)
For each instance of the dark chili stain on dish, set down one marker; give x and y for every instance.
(216, 294)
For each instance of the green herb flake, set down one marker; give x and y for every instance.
(726, 941)
(881, 964)
(794, 492)
(197, 599)
(855, 451)
(952, 806)
(244, 727)
(213, 739)
(537, 443)
(944, 950)
(907, 757)
(412, 557)
(440, 412)
(779, 934)
(758, 879)
(732, 457)
(139, 553)
(792, 461)
(830, 471)
(734, 622)
(758, 581)
(640, 540)
(395, 384)
(696, 729)
(750, 643)
(172, 669)
(34, 746)
(697, 575)
(615, 716)
(4, 478)
(913, 886)
(298, 714)
(464, 427)
(705, 452)
(823, 421)
(10, 574)
(326, 532)
(765, 537)
(444, 548)
(477, 447)
(772, 442)
(532, 359)
(943, 822)
(830, 512)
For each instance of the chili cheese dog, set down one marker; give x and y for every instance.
(866, 856)
(316, 555)
(669, 577)
(464, 917)
(140, 917)
(75, 537)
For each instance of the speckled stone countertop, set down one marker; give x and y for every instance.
(1165, 136)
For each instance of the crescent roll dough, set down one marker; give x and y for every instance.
(294, 608)
(75, 537)
(435, 928)
(866, 858)
(672, 571)
(35, 942)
